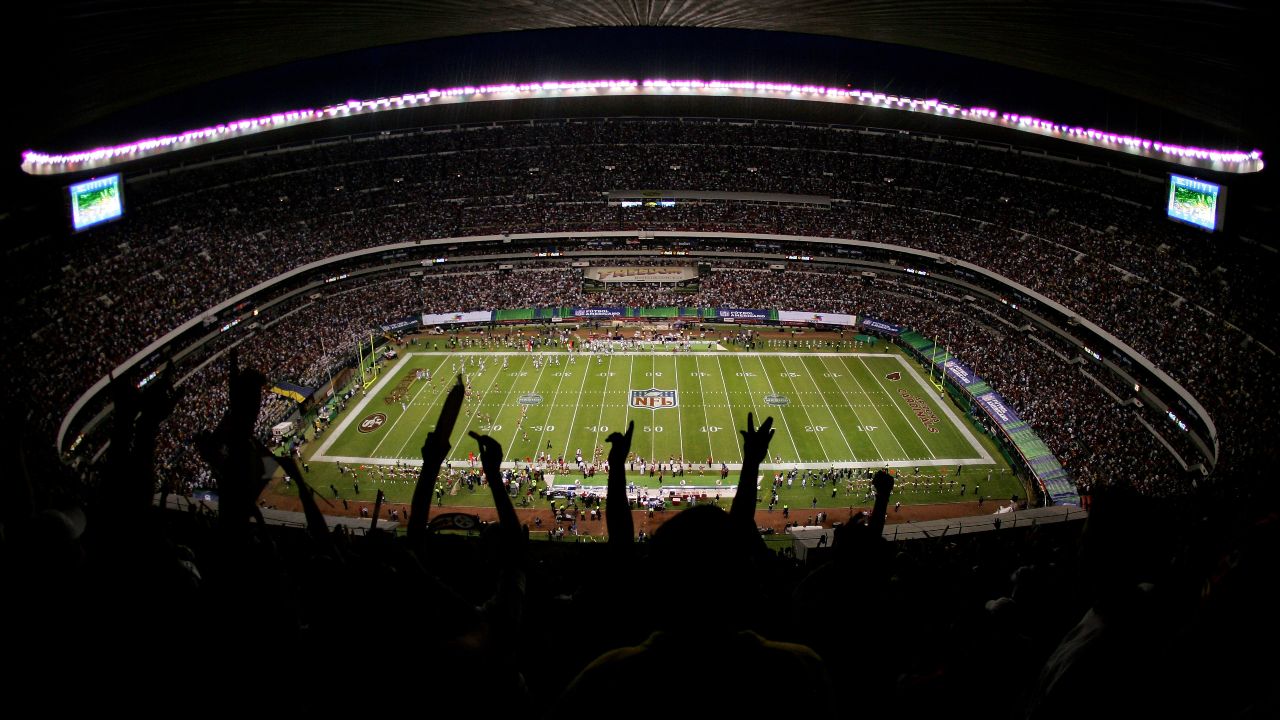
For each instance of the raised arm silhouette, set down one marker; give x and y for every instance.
(705, 598)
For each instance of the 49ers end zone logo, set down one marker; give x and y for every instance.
(373, 422)
(893, 376)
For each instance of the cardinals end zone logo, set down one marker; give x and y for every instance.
(373, 422)
(893, 376)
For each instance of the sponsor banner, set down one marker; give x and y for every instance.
(790, 316)
(741, 314)
(653, 399)
(639, 274)
(475, 316)
(959, 373)
(598, 312)
(296, 393)
(994, 405)
(881, 325)
(401, 324)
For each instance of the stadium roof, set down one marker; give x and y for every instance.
(1198, 58)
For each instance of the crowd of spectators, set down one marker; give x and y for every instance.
(1086, 236)
(1153, 605)
(1097, 438)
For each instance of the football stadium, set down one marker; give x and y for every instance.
(803, 353)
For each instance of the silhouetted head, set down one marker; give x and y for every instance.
(703, 557)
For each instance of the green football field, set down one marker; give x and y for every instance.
(841, 409)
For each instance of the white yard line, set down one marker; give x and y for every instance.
(355, 412)
(900, 410)
(653, 412)
(876, 408)
(401, 416)
(733, 428)
(772, 391)
(443, 392)
(575, 415)
(516, 432)
(807, 416)
(496, 374)
(353, 460)
(608, 373)
(706, 419)
(505, 395)
(358, 410)
(805, 365)
(555, 395)
(963, 427)
(870, 436)
(675, 370)
(631, 372)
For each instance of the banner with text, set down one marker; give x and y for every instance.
(639, 274)
(401, 324)
(881, 326)
(598, 312)
(475, 316)
(742, 314)
(962, 375)
(994, 404)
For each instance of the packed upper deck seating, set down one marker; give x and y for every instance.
(1082, 235)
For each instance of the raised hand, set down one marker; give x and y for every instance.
(244, 396)
(618, 512)
(377, 510)
(491, 461)
(317, 528)
(231, 451)
(621, 446)
(755, 447)
(126, 399)
(883, 484)
(156, 403)
(437, 446)
(755, 443)
(434, 450)
(160, 398)
(490, 455)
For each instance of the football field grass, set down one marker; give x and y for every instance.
(841, 409)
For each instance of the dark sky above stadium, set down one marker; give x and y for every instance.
(86, 74)
(85, 61)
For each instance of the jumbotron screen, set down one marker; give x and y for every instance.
(96, 201)
(1196, 202)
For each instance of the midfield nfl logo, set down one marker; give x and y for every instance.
(653, 399)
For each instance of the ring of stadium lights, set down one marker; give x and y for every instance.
(37, 163)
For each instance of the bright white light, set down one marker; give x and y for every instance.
(37, 162)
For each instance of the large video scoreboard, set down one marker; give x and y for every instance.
(96, 201)
(1196, 202)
